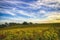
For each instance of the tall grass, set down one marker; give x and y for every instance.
(30, 34)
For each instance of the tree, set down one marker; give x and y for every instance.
(11, 24)
(25, 23)
(6, 24)
(2, 25)
(30, 23)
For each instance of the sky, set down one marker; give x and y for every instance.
(36, 11)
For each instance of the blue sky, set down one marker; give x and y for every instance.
(36, 11)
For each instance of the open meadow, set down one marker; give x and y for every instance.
(43, 32)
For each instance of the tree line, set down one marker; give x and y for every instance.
(30, 23)
(10, 24)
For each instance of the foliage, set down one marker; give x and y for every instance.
(30, 24)
(25, 23)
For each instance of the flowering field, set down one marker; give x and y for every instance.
(32, 33)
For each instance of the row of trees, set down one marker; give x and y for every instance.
(30, 23)
(10, 24)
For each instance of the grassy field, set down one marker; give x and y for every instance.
(30, 32)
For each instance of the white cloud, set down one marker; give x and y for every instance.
(34, 6)
(26, 13)
(42, 11)
(13, 19)
(7, 12)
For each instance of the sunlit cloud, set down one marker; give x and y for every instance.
(54, 15)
